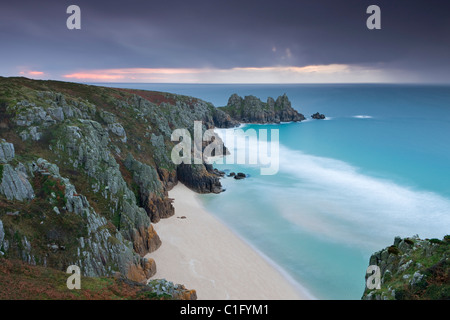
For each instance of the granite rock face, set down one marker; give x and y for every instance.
(6, 151)
(252, 110)
(87, 148)
(14, 183)
(99, 250)
(95, 248)
(153, 195)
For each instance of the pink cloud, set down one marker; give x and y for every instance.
(92, 76)
(139, 74)
(32, 73)
(36, 73)
(273, 74)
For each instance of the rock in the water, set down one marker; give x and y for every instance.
(240, 175)
(318, 116)
(252, 110)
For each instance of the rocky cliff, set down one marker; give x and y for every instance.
(86, 170)
(252, 110)
(412, 269)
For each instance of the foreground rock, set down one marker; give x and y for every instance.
(412, 269)
(252, 110)
(164, 288)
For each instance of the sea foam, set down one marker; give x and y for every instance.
(362, 116)
(337, 200)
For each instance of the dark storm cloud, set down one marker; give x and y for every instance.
(224, 34)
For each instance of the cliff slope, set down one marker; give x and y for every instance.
(85, 171)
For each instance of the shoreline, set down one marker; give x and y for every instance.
(189, 255)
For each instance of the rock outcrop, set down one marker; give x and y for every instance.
(412, 269)
(199, 178)
(98, 251)
(252, 110)
(152, 194)
(14, 184)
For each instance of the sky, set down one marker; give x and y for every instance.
(227, 41)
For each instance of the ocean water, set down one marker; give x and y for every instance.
(377, 168)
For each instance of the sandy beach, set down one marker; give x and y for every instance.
(202, 253)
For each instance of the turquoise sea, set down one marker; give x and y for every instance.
(377, 168)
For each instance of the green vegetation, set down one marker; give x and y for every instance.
(20, 281)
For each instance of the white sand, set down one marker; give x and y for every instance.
(203, 254)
